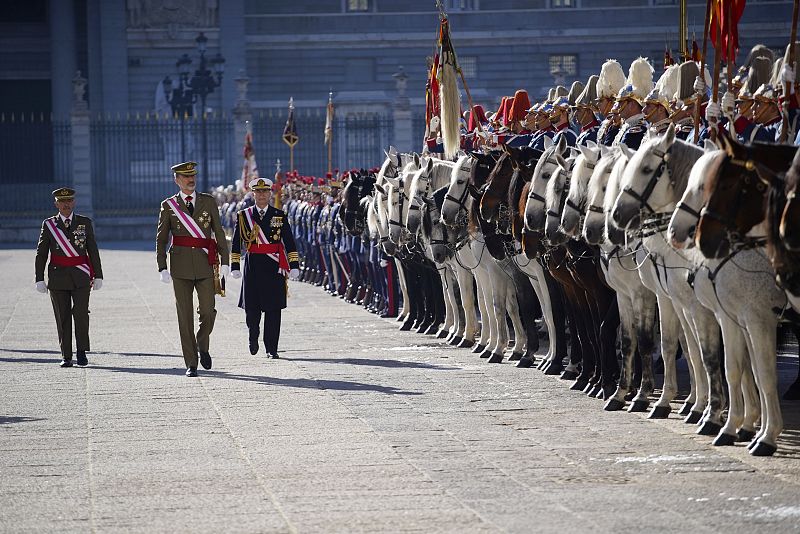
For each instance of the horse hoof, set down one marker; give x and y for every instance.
(693, 418)
(465, 343)
(486, 354)
(630, 396)
(597, 388)
(614, 405)
(745, 435)
(724, 440)
(478, 349)
(424, 328)
(709, 428)
(685, 409)
(659, 412)
(608, 391)
(542, 364)
(579, 384)
(553, 369)
(515, 357)
(639, 406)
(442, 334)
(399, 317)
(495, 358)
(406, 326)
(601, 393)
(569, 375)
(763, 449)
(525, 362)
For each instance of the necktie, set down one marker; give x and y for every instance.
(261, 213)
(66, 223)
(189, 205)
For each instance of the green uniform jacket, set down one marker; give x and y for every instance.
(186, 262)
(81, 235)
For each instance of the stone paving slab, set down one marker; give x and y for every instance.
(358, 428)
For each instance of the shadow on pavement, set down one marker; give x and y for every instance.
(379, 363)
(10, 420)
(302, 383)
(39, 351)
(33, 360)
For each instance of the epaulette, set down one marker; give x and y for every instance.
(638, 128)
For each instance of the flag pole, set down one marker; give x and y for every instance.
(787, 88)
(703, 72)
(329, 132)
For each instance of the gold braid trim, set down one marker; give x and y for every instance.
(248, 236)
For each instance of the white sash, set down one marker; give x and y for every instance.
(65, 244)
(190, 224)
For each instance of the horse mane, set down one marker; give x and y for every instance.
(680, 163)
(614, 184)
(579, 182)
(596, 186)
(552, 191)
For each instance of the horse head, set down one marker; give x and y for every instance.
(683, 223)
(418, 192)
(546, 167)
(597, 190)
(556, 195)
(497, 188)
(575, 205)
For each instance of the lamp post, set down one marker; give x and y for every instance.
(201, 84)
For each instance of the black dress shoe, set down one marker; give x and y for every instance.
(66, 363)
(205, 359)
(191, 371)
(273, 355)
(81, 357)
(254, 347)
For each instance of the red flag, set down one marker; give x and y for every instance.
(668, 61)
(723, 12)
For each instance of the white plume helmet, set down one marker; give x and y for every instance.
(640, 77)
(667, 84)
(611, 80)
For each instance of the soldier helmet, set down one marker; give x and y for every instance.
(558, 92)
(611, 79)
(758, 51)
(639, 82)
(766, 93)
(588, 96)
(519, 106)
(667, 84)
(688, 71)
(757, 75)
(575, 91)
(551, 94)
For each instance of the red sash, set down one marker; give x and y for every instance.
(197, 242)
(272, 249)
(72, 261)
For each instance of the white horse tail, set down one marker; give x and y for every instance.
(451, 107)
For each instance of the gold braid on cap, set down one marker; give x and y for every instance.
(248, 236)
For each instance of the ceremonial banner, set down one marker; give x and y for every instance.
(249, 167)
(290, 136)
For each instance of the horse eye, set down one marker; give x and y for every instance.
(546, 176)
(647, 170)
(459, 182)
(760, 187)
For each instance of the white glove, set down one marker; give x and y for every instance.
(713, 112)
(224, 270)
(699, 85)
(728, 103)
(165, 277)
(41, 287)
(236, 273)
(384, 263)
(97, 284)
(787, 74)
(343, 249)
(294, 274)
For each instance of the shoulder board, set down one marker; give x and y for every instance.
(638, 128)
(207, 195)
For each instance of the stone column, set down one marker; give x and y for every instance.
(63, 57)
(401, 111)
(81, 146)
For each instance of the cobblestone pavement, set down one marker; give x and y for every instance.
(359, 427)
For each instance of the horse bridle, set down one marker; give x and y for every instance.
(533, 194)
(461, 200)
(651, 185)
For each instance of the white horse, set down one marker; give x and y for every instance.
(654, 179)
(744, 409)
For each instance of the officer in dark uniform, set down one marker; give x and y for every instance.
(263, 235)
(74, 269)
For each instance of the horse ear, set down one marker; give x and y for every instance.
(586, 151)
(416, 160)
(380, 189)
(574, 152)
(725, 143)
(472, 155)
(627, 152)
(562, 144)
(474, 192)
(604, 151)
(562, 162)
(591, 144)
(394, 182)
(669, 136)
(429, 166)
(709, 145)
(548, 142)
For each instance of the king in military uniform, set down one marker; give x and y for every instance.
(265, 239)
(197, 239)
(74, 268)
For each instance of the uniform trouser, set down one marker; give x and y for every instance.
(69, 305)
(184, 303)
(272, 328)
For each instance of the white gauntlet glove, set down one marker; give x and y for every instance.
(224, 270)
(699, 85)
(728, 104)
(713, 112)
(165, 277)
(41, 287)
(236, 273)
(787, 74)
(294, 274)
(97, 284)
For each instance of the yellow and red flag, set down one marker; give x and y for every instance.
(723, 27)
(249, 167)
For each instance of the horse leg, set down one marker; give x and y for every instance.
(529, 310)
(761, 331)
(645, 306)
(500, 290)
(466, 283)
(708, 334)
(736, 363)
(670, 339)
(698, 397)
(485, 308)
(404, 312)
(608, 346)
(628, 345)
(450, 324)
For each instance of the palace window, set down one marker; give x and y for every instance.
(469, 66)
(356, 6)
(564, 65)
(462, 5)
(563, 3)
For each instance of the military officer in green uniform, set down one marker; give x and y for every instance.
(74, 269)
(193, 221)
(271, 255)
